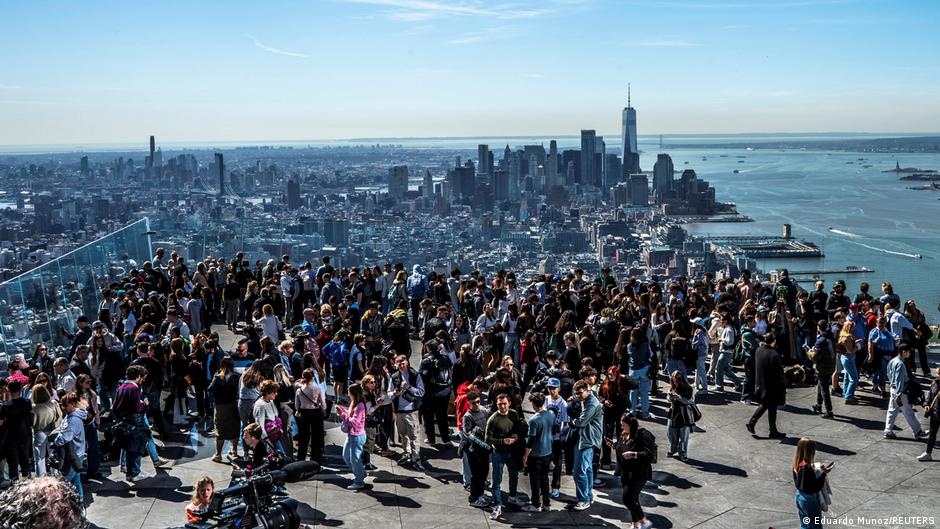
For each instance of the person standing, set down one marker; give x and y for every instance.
(932, 410)
(502, 432)
(310, 403)
(848, 346)
(824, 361)
(640, 354)
(678, 427)
(898, 379)
(16, 416)
(590, 425)
(437, 373)
(407, 392)
(473, 424)
(354, 424)
(635, 454)
(224, 391)
(46, 415)
(129, 406)
(538, 454)
(770, 385)
(726, 343)
(73, 435)
(809, 479)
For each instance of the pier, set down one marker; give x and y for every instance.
(827, 271)
(763, 247)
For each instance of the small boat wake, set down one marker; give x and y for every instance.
(844, 233)
(870, 247)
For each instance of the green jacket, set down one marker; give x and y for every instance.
(590, 424)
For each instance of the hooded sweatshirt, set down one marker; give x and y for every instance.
(72, 430)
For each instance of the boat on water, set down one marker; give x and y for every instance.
(735, 171)
(918, 256)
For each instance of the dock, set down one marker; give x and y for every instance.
(826, 271)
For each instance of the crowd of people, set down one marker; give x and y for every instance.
(548, 375)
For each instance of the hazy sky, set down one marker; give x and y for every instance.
(85, 72)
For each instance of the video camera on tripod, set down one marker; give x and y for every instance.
(254, 501)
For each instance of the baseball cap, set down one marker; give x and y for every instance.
(553, 383)
(98, 325)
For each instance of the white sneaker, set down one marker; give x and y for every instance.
(555, 493)
(924, 457)
(496, 512)
(140, 477)
(581, 506)
(531, 508)
(482, 501)
(356, 486)
(646, 525)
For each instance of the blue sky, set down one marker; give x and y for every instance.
(102, 72)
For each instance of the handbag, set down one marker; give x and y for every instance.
(274, 429)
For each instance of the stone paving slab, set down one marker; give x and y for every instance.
(731, 480)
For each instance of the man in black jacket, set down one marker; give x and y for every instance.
(770, 385)
(81, 336)
(436, 371)
(16, 417)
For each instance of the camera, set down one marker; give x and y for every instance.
(251, 502)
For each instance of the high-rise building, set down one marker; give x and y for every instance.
(484, 159)
(427, 186)
(220, 167)
(83, 165)
(551, 167)
(639, 190)
(588, 148)
(500, 185)
(613, 171)
(153, 147)
(630, 154)
(663, 175)
(600, 149)
(293, 194)
(398, 181)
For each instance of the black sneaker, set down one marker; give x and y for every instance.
(750, 427)
(777, 435)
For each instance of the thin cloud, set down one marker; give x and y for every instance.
(422, 10)
(24, 102)
(474, 37)
(277, 51)
(9, 87)
(780, 4)
(664, 43)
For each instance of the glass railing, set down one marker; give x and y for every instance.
(38, 305)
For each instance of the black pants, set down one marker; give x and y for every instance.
(558, 456)
(631, 498)
(822, 391)
(479, 461)
(17, 457)
(538, 480)
(435, 411)
(920, 351)
(747, 391)
(771, 416)
(310, 433)
(932, 434)
(415, 311)
(611, 431)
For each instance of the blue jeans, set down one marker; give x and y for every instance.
(724, 370)
(701, 374)
(881, 375)
(584, 472)
(75, 479)
(500, 460)
(352, 455)
(131, 463)
(643, 391)
(678, 439)
(676, 365)
(92, 449)
(809, 509)
(851, 376)
(511, 348)
(466, 470)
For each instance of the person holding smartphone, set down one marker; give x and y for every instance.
(809, 479)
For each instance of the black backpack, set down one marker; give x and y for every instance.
(650, 441)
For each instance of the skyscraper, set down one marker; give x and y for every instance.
(484, 160)
(293, 194)
(427, 186)
(153, 147)
(551, 168)
(639, 190)
(398, 181)
(588, 147)
(600, 149)
(630, 154)
(220, 167)
(663, 175)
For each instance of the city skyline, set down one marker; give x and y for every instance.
(87, 75)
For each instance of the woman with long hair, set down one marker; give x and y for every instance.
(285, 405)
(634, 450)
(375, 400)
(529, 356)
(179, 377)
(248, 391)
(565, 324)
(84, 388)
(847, 347)
(46, 416)
(224, 391)
(310, 406)
(460, 332)
(640, 356)
(203, 491)
(810, 479)
(919, 338)
(614, 397)
(378, 370)
(252, 293)
(680, 392)
(354, 425)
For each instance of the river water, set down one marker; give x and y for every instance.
(858, 216)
